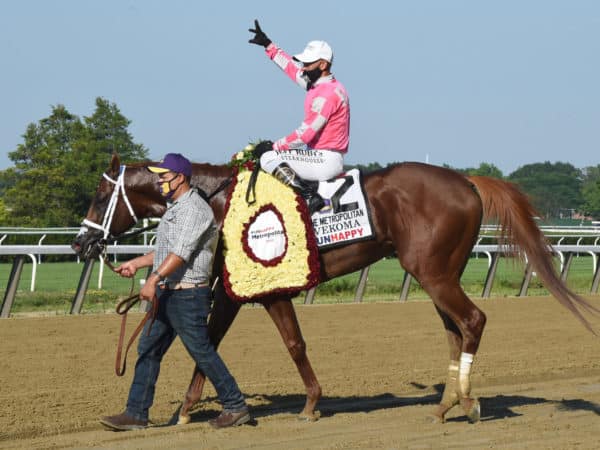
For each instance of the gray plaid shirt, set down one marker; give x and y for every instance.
(188, 230)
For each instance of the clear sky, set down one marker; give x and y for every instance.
(459, 82)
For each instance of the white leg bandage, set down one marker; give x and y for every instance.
(464, 374)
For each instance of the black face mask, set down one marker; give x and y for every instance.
(311, 76)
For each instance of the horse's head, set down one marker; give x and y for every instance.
(124, 195)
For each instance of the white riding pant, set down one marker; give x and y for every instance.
(310, 164)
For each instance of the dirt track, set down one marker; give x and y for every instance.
(537, 375)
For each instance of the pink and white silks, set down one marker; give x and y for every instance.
(315, 150)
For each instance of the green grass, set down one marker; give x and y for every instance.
(56, 284)
(385, 280)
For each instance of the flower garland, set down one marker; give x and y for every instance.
(246, 159)
(246, 277)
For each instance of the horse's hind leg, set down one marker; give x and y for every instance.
(450, 396)
(464, 324)
(283, 314)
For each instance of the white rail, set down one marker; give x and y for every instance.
(559, 234)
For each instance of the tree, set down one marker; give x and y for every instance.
(590, 191)
(484, 169)
(553, 188)
(59, 163)
(37, 197)
(105, 132)
(3, 213)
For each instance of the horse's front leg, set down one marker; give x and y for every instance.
(223, 313)
(283, 314)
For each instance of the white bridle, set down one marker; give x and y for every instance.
(119, 188)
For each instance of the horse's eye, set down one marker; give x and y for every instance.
(101, 196)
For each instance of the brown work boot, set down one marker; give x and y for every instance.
(230, 419)
(123, 422)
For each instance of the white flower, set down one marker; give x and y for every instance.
(250, 278)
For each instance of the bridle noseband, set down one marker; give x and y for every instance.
(107, 219)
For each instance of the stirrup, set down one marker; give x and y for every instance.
(316, 203)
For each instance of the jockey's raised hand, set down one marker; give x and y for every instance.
(260, 38)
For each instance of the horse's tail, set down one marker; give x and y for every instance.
(505, 203)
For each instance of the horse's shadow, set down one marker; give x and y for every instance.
(492, 408)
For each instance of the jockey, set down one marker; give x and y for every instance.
(315, 150)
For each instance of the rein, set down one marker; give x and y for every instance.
(226, 182)
(122, 309)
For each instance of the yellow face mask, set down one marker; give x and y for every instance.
(165, 187)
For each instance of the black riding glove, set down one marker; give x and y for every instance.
(260, 38)
(262, 147)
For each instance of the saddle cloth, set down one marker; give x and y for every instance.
(348, 219)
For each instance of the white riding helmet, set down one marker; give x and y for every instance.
(314, 51)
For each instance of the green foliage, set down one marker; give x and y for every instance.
(59, 163)
(484, 169)
(245, 159)
(590, 191)
(552, 188)
(3, 212)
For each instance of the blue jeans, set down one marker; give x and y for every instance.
(184, 313)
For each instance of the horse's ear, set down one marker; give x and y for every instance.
(115, 163)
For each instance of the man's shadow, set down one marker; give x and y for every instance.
(492, 408)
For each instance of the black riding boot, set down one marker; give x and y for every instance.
(307, 189)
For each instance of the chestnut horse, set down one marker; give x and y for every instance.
(428, 216)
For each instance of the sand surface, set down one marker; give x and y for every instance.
(380, 365)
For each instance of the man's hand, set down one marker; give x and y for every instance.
(127, 269)
(260, 38)
(149, 288)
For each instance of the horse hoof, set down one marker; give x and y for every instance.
(434, 418)
(472, 409)
(439, 414)
(309, 417)
(183, 420)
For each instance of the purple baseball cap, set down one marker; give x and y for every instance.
(173, 162)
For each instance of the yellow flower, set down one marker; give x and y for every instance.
(249, 278)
